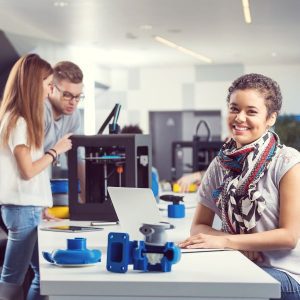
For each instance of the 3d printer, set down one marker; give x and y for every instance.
(110, 160)
(203, 151)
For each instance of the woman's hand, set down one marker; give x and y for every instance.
(185, 181)
(202, 240)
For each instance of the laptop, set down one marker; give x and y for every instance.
(133, 207)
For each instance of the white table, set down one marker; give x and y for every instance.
(204, 275)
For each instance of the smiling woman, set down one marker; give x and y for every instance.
(253, 186)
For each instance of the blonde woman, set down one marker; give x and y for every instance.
(24, 182)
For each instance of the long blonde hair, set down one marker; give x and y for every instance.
(23, 97)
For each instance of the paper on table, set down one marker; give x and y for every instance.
(189, 250)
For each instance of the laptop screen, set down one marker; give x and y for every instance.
(134, 206)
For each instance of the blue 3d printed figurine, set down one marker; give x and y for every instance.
(75, 254)
(175, 210)
(153, 254)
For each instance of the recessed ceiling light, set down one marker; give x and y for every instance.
(60, 3)
(246, 9)
(183, 49)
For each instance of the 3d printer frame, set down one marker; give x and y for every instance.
(203, 152)
(110, 160)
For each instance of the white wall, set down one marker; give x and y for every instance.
(178, 88)
(288, 77)
(140, 90)
(175, 88)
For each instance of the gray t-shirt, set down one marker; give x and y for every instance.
(285, 159)
(56, 129)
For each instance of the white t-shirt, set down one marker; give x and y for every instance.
(268, 185)
(14, 189)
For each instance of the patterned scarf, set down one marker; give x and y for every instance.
(240, 203)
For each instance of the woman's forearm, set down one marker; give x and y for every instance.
(277, 239)
(27, 167)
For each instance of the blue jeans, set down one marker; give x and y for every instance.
(22, 247)
(290, 288)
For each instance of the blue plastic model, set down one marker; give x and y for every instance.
(175, 210)
(61, 186)
(153, 254)
(75, 254)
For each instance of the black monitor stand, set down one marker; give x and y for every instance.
(114, 127)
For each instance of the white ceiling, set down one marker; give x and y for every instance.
(110, 29)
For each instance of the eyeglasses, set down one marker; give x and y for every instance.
(67, 96)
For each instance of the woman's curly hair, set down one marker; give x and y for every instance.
(266, 86)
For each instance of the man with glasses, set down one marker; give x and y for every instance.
(61, 113)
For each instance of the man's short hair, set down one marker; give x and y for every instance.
(66, 70)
